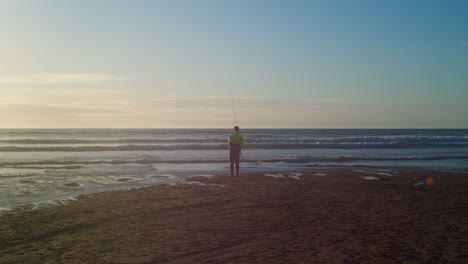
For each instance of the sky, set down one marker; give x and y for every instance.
(205, 63)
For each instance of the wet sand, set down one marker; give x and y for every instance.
(338, 218)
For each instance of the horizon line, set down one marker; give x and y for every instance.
(199, 128)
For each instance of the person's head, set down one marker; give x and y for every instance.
(236, 128)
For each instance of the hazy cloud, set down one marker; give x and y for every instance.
(87, 91)
(56, 78)
(251, 112)
(299, 112)
(8, 95)
(26, 115)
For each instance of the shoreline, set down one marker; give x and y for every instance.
(286, 218)
(173, 179)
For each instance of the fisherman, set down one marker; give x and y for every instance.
(235, 141)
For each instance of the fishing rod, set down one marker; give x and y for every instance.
(234, 111)
(235, 118)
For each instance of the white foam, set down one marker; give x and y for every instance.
(168, 176)
(296, 176)
(66, 200)
(26, 189)
(52, 202)
(374, 172)
(462, 172)
(203, 175)
(17, 175)
(363, 171)
(275, 175)
(319, 174)
(23, 207)
(383, 173)
(202, 183)
(369, 178)
(5, 209)
(285, 175)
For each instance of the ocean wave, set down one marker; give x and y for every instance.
(16, 175)
(32, 141)
(254, 139)
(44, 167)
(364, 139)
(129, 147)
(105, 170)
(154, 160)
(350, 158)
(220, 146)
(215, 143)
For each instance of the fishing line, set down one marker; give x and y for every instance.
(234, 111)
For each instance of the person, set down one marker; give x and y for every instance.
(235, 141)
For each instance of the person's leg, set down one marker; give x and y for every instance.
(236, 160)
(231, 158)
(232, 167)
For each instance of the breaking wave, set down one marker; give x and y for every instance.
(148, 160)
(220, 146)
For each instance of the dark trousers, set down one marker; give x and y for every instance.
(234, 156)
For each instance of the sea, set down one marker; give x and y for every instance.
(47, 167)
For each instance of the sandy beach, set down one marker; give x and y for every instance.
(289, 218)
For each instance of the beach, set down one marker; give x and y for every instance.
(336, 216)
(122, 122)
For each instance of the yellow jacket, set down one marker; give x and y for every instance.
(236, 138)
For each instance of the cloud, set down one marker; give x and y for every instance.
(86, 91)
(56, 78)
(259, 112)
(8, 95)
(252, 112)
(31, 115)
(226, 101)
